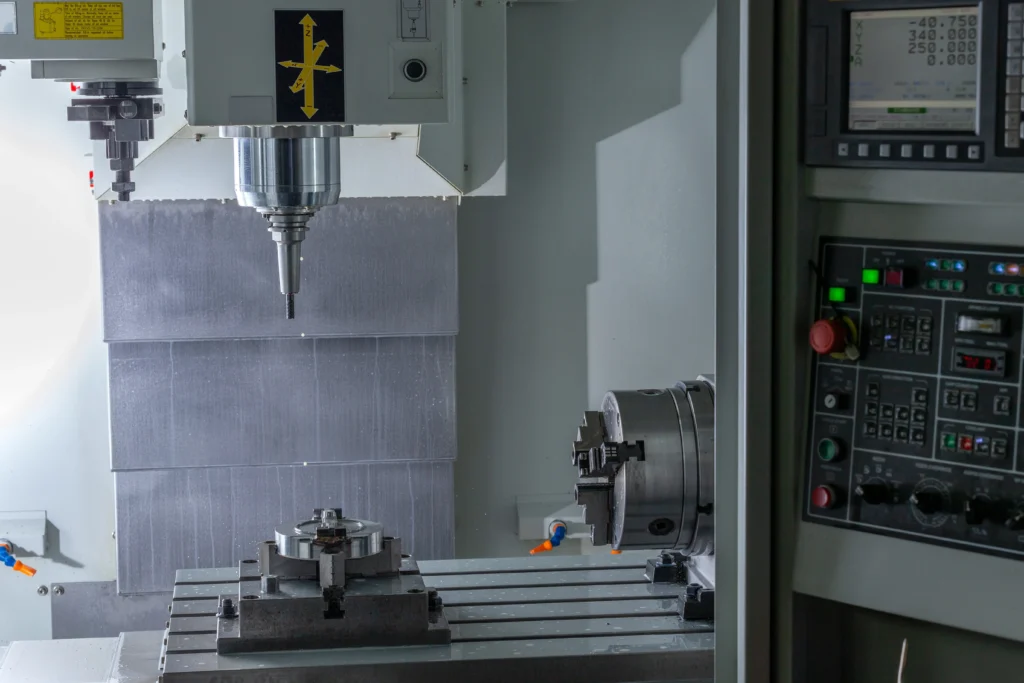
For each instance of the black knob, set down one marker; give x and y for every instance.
(874, 493)
(976, 510)
(1015, 521)
(928, 502)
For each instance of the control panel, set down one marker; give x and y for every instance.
(916, 424)
(914, 84)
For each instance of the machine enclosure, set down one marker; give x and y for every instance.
(233, 75)
(141, 27)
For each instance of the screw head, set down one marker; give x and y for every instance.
(42, 590)
(58, 590)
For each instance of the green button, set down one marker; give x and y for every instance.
(872, 276)
(959, 285)
(837, 295)
(945, 285)
(1010, 290)
(949, 441)
(947, 265)
(996, 287)
(932, 284)
(828, 450)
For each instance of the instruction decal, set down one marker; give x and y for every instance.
(8, 18)
(78, 20)
(310, 52)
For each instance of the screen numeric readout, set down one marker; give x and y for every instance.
(979, 362)
(914, 70)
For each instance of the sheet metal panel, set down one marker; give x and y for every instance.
(93, 609)
(207, 270)
(280, 402)
(677, 657)
(214, 517)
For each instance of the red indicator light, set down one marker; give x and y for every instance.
(966, 442)
(74, 88)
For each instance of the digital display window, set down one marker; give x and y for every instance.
(915, 70)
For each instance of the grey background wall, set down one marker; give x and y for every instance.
(596, 271)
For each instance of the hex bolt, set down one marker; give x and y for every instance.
(58, 590)
(269, 584)
(42, 590)
(227, 609)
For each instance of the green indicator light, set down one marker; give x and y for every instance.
(828, 450)
(959, 285)
(871, 276)
(945, 285)
(947, 265)
(1010, 290)
(932, 284)
(949, 441)
(837, 295)
(997, 288)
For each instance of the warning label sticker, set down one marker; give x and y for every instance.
(79, 20)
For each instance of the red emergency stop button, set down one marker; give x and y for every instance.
(824, 497)
(828, 336)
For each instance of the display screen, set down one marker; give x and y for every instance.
(915, 70)
(972, 361)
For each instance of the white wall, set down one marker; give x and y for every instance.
(54, 446)
(597, 271)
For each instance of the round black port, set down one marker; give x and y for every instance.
(250, 597)
(248, 561)
(415, 70)
(661, 527)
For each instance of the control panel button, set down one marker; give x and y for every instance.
(870, 409)
(870, 429)
(1013, 67)
(863, 149)
(902, 434)
(919, 397)
(906, 151)
(974, 152)
(965, 443)
(909, 324)
(982, 446)
(895, 277)
(968, 401)
(885, 431)
(917, 437)
(1012, 86)
(906, 345)
(928, 151)
(1011, 139)
(999, 448)
(1011, 120)
(824, 497)
(830, 450)
(1002, 405)
(1015, 11)
(948, 441)
(924, 325)
(888, 411)
(828, 336)
(991, 325)
(1014, 31)
(885, 150)
(951, 398)
(923, 347)
(902, 413)
(952, 151)
(843, 149)
(919, 416)
(873, 390)
(1013, 48)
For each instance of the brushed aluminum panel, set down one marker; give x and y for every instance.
(214, 517)
(281, 402)
(177, 270)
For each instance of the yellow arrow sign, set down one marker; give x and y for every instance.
(311, 54)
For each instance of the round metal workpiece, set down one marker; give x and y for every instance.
(665, 500)
(303, 542)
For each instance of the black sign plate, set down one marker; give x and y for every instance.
(310, 51)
